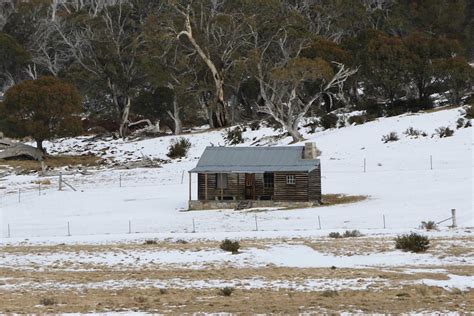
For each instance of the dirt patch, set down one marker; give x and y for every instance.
(53, 162)
(335, 199)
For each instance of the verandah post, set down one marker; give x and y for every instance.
(205, 186)
(189, 185)
(222, 186)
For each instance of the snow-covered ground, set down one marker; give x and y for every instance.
(398, 180)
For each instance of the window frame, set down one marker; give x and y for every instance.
(290, 179)
(268, 184)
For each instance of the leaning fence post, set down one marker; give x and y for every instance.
(319, 222)
(60, 181)
(384, 222)
(453, 217)
(182, 177)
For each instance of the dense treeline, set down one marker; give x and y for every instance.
(227, 61)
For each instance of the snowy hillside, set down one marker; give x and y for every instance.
(398, 180)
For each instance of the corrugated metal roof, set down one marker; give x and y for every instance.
(254, 160)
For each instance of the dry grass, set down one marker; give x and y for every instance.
(53, 162)
(334, 199)
(178, 301)
(390, 291)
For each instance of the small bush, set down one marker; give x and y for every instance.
(140, 299)
(470, 112)
(357, 119)
(329, 121)
(444, 132)
(150, 242)
(460, 123)
(463, 123)
(352, 233)
(163, 291)
(233, 136)
(229, 245)
(48, 301)
(413, 242)
(329, 293)
(179, 148)
(226, 291)
(429, 225)
(414, 132)
(335, 235)
(392, 137)
(254, 126)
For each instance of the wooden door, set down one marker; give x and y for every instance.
(250, 186)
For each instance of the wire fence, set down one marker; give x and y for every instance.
(40, 189)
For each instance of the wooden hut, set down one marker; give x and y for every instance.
(241, 177)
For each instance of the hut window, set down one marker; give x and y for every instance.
(290, 179)
(222, 181)
(268, 180)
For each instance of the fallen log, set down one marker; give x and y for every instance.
(18, 150)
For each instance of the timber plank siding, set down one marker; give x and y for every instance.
(256, 173)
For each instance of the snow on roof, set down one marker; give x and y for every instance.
(254, 160)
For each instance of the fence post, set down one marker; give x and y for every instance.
(319, 222)
(60, 181)
(431, 162)
(256, 223)
(384, 222)
(182, 177)
(129, 226)
(364, 165)
(68, 229)
(9, 231)
(19, 195)
(453, 217)
(194, 226)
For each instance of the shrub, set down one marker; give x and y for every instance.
(140, 299)
(163, 291)
(460, 123)
(357, 119)
(226, 291)
(179, 148)
(413, 242)
(392, 137)
(352, 233)
(335, 235)
(444, 132)
(255, 125)
(229, 245)
(150, 242)
(233, 136)
(463, 123)
(470, 112)
(48, 301)
(429, 225)
(329, 293)
(414, 132)
(329, 121)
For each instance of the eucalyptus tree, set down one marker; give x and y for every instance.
(289, 82)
